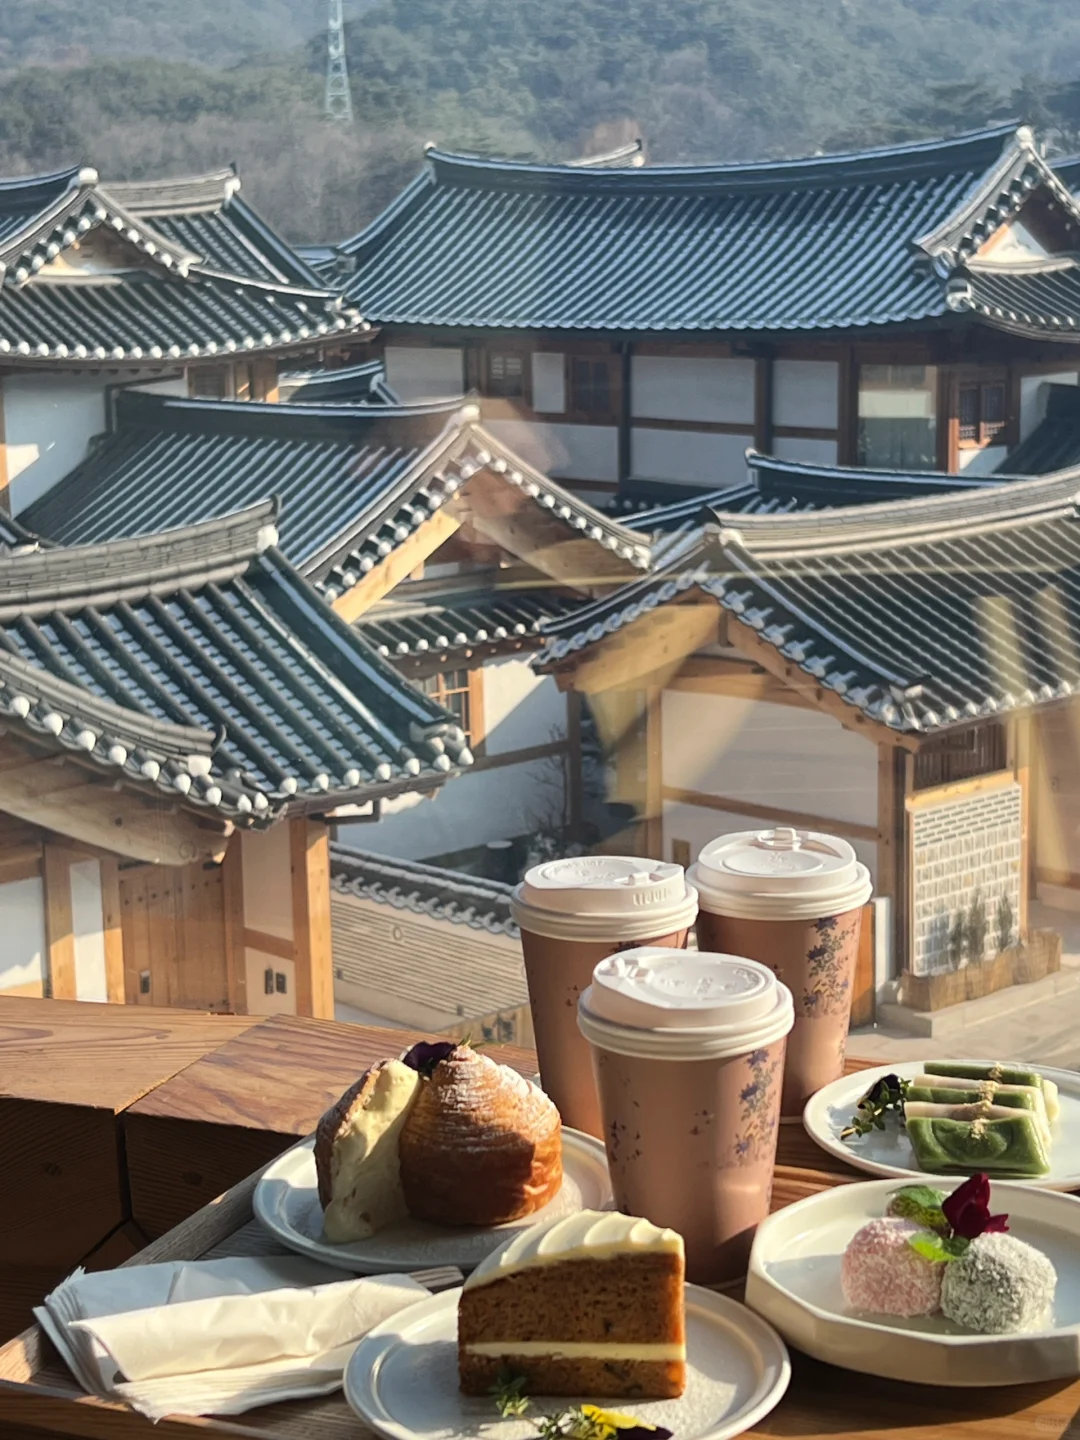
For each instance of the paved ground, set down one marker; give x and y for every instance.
(1048, 1032)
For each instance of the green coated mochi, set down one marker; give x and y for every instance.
(960, 1147)
(942, 1096)
(1002, 1074)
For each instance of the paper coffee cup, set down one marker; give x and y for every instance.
(688, 1049)
(793, 900)
(572, 913)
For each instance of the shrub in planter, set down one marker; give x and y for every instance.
(977, 926)
(1005, 921)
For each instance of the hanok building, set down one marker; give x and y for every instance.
(420, 528)
(183, 719)
(425, 948)
(174, 284)
(900, 673)
(900, 308)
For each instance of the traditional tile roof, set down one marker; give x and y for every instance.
(922, 614)
(1054, 444)
(363, 384)
(355, 482)
(461, 623)
(693, 502)
(152, 271)
(197, 663)
(796, 485)
(448, 895)
(832, 242)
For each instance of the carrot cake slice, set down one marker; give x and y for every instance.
(589, 1305)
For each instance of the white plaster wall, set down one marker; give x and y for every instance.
(697, 826)
(521, 708)
(471, 810)
(982, 462)
(811, 452)
(768, 754)
(571, 452)
(266, 862)
(417, 372)
(690, 457)
(1033, 397)
(668, 387)
(548, 382)
(806, 392)
(22, 922)
(48, 420)
(91, 982)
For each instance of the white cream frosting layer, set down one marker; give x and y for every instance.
(588, 1235)
(365, 1176)
(573, 1350)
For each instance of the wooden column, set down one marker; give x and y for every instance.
(1020, 762)
(575, 797)
(232, 883)
(112, 935)
(654, 774)
(763, 404)
(59, 937)
(847, 443)
(310, 847)
(626, 412)
(265, 376)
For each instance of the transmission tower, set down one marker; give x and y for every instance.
(338, 102)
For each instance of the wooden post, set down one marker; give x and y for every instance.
(111, 931)
(654, 773)
(310, 849)
(232, 884)
(1020, 733)
(626, 413)
(763, 404)
(575, 798)
(847, 442)
(59, 938)
(5, 480)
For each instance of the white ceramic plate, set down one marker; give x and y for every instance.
(794, 1282)
(287, 1204)
(889, 1152)
(403, 1380)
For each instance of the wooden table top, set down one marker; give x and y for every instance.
(39, 1399)
(104, 1057)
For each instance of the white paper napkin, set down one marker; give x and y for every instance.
(216, 1336)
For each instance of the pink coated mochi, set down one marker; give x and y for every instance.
(881, 1273)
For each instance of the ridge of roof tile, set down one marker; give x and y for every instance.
(449, 895)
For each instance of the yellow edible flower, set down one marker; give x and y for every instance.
(612, 1421)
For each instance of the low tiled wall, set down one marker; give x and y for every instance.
(964, 850)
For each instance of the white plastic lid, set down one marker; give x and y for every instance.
(617, 897)
(781, 874)
(683, 1005)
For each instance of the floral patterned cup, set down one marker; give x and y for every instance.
(688, 1051)
(792, 900)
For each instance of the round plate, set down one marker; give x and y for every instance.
(403, 1378)
(794, 1282)
(889, 1152)
(286, 1203)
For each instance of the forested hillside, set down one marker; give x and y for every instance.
(142, 88)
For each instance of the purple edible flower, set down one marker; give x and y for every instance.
(426, 1054)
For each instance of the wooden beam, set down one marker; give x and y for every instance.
(20, 862)
(269, 944)
(746, 639)
(737, 680)
(111, 931)
(59, 937)
(310, 850)
(232, 889)
(397, 566)
(959, 790)
(504, 758)
(659, 641)
(59, 797)
(776, 814)
(5, 475)
(575, 780)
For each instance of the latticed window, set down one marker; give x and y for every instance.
(980, 413)
(506, 373)
(452, 690)
(590, 386)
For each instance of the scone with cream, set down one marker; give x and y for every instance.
(357, 1153)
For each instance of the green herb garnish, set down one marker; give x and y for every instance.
(576, 1422)
(921, 1204)
(885, 1097)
